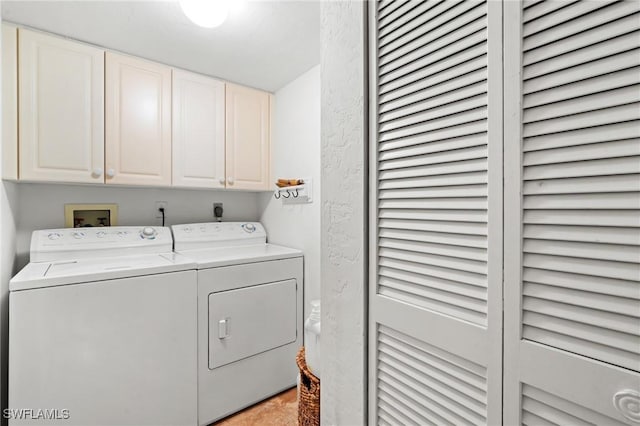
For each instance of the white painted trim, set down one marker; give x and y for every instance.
(543, 363)
(495, 140)
(372, 141)
(464, 339)
(513, 208)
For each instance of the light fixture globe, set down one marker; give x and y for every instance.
(205, 13)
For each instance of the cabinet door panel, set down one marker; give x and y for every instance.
(248, 138)
(9, 102)
(61, 119)
(198, 131)
(138, 122)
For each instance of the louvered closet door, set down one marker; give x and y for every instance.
(572, 216)
(436, 212)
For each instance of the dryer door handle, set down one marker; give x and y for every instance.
(223, 328)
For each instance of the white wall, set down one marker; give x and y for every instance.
(343, 224)
(41, 206)
(296, 154)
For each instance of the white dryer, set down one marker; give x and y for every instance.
(249, 314)
(102, 329)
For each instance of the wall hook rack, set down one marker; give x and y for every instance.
(298, 194)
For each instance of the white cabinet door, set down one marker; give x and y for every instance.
(9, 102)
(572, 185)
(138, 121)
(198, 131)
(435, 295)
(61, 109)
(248, 138)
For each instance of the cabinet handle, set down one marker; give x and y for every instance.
(230, 180)
(111, 173)
(97, 172)
(221, 181)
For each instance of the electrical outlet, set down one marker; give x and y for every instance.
(160, 204)
(217, 210)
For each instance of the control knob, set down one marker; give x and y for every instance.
(148, 233)
(249, 227)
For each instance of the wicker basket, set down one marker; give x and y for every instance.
(308, 394)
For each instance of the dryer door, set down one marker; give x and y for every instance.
(251, 320)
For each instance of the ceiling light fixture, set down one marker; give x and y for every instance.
(206, 13)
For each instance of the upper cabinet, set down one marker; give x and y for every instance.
(61, 115)
(248, 138)
(138, 121)
(74, 113)
(9, 102)
(198, 131)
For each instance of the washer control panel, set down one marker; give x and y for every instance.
(76, 243)
(218, 234)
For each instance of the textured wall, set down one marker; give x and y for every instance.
(295, 152)
(343, 226)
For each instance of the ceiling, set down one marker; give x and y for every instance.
(264, 44)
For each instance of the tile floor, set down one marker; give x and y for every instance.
(279, 410)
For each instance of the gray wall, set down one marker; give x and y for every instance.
(343, 225)
(41, 206)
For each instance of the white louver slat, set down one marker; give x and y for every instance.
(421, 384)
(543, 408)
(581, 181)
(433, 157)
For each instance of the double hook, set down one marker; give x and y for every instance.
(279, 194)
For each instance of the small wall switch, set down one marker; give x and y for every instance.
(160, 204)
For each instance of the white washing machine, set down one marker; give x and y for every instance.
(103, 330)
(249, 314)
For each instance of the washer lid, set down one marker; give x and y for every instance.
(49, 274)
(227, 256)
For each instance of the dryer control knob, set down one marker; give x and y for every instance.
(148, 233)
(249, 227)
(78, 235)
(54, 235)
